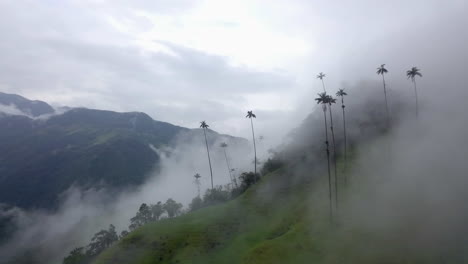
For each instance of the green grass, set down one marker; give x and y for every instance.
(250, 229)
(276, 221)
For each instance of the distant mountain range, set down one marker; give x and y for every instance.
(40, 158)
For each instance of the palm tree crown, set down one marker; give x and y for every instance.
(322, 98)
(341, 92)
(197, 176)
(250, 114)
(381, 70)
(203, 124)
(413, 73)
(321, 75)
(223, 145)
(330, 100)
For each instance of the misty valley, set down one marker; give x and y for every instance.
(233, 132)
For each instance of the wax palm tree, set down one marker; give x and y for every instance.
(320, 76)
(224, 146)
(197, 182)
(205, 126)
(412, 74)
(251, 115)
(382, 71)
(323, 100)
(341, 93)
(330, 100)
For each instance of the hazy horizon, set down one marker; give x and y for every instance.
(186, 61)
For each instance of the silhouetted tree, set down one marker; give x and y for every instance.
(412, 74)
(271, 165)
(248, 179)
(197, 182)
(172, 207)
(196, 204)
(321, 76)
(216, 196)
(205, 126)
(224, 146)
(102, 240)
(342, 94)
(382, 71)
(156, 210)
(323, 100)
(76, 256)
(330, 101)
(123, 234)
(142, 217)
(251, 115)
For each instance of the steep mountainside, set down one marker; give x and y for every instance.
(32, 108)
(41, 158)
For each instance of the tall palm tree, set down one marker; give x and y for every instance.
(330, 101)
(320, 76)
(323, 100)
(412, 74)
(224, 146)
(341, 93)
(251, 115)
(205, 126)
(197, 182)
(382, 71)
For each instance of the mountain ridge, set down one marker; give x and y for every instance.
(42, 157)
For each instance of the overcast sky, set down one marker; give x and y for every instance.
(183, 61)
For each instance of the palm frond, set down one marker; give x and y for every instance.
(250, 114)
(381, 70)
(322, 98)
(203, 124)
(341, 92)
(413, 73)
(330, 100)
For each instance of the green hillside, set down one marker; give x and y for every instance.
(283, 219)
(249, 229)
(87, 148)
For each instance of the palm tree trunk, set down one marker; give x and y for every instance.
(323, 85)
(386, 101)
(345, 143)
(209, 159)
(416, 96)
(255, 151)
(328, 162)
(229, 167)
(334, 155)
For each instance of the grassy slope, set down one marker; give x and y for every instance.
(265, 225)
(245, 230)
